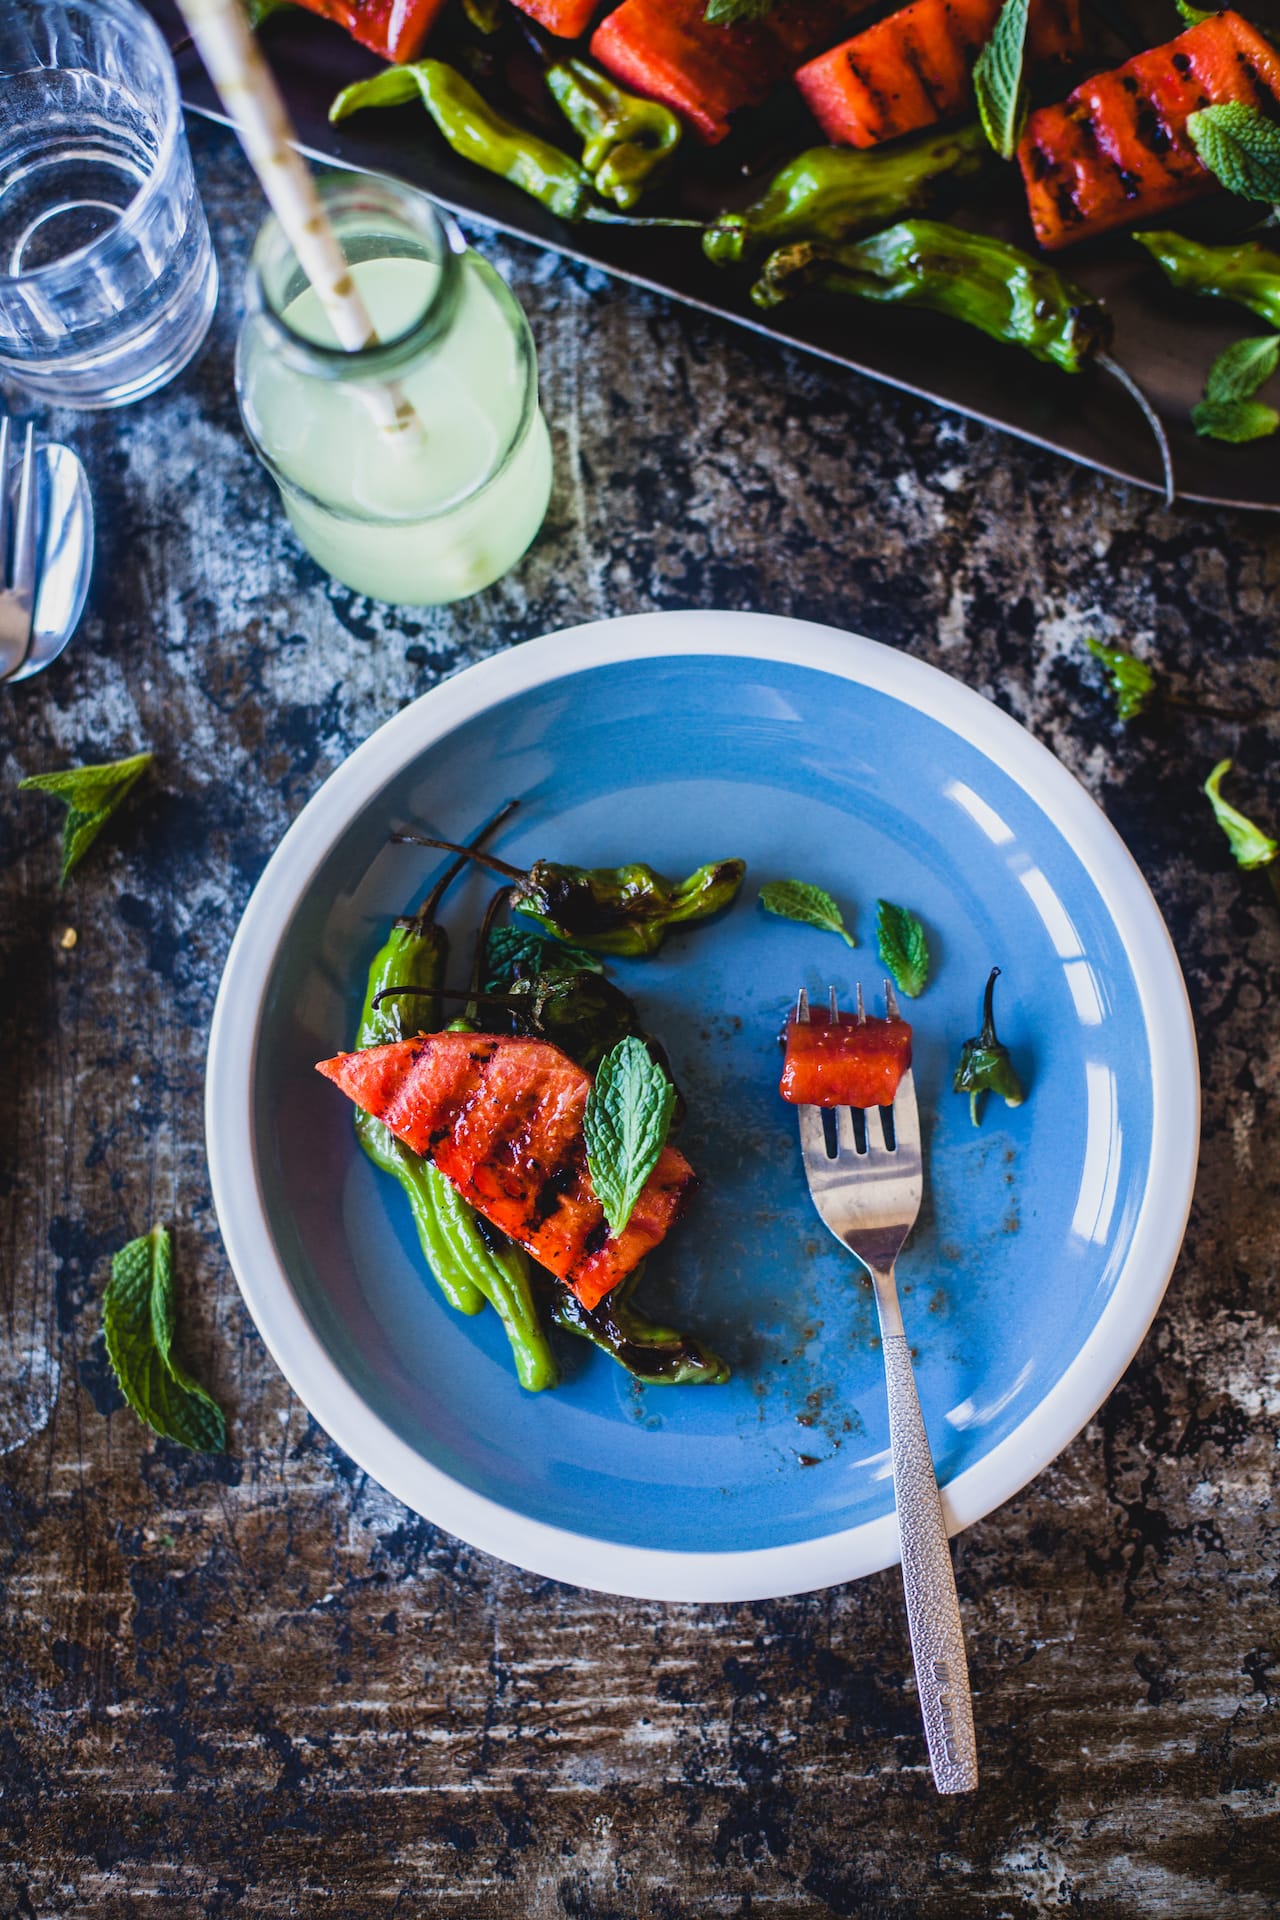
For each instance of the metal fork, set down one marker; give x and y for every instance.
(869, 1198)
(17, 574)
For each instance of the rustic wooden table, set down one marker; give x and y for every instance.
(256, 1685)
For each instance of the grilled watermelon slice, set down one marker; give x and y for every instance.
(502, 1119)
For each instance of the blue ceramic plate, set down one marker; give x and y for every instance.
(1047, 1236)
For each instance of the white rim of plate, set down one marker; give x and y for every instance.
(581, 1559)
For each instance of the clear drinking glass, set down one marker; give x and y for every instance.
(418, 518)
(107, 275)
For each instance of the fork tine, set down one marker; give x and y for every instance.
(862, 1009)
(890, 1001)
(876, 1142)
(24, 536)
(846, 1139)
(906, 1116)
(832, 1007)
(802, 1008)
(813, 1141)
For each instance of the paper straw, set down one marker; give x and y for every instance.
(247, 89)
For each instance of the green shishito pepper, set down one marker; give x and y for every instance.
(471, 1262)
(833, 193)
(479, 133)
(1248, 274)
(628, 141)
(659, 1356)
(972, 277)
(622, 910)
(984, 1065)
(414, 955)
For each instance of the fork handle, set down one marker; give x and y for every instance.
(933, 1609)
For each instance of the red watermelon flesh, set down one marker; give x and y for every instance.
(502, 1119)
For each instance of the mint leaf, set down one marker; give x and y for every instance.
(1194, 16)
(736, 13)
(260, 10)
(1242, 368)
(509, 948)
(1241, 147)
(811, 906)
(1228, 411)
(138, 1317)
(1236, 421)
(999, 82)
(92, 795)
(1250, 846)
(1132, 681)
(626, 1121)
(903, 947)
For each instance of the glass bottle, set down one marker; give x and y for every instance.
(419, 517)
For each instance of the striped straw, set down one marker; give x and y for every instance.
(249, 93)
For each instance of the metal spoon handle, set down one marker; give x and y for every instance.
(928, 1579)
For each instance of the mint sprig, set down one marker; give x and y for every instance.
(736, 13)
(92, 795)
(1250, 846)
(1228, 410)
(903, 947)
(1132, 680)
(626, 1122)
(139, 1321)
(811, 906)
(1241, 146)
(510, 948)
(999, 79)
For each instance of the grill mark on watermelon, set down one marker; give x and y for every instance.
(559, 1185)
(502, 1120)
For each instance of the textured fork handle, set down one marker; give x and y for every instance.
(933, 1610)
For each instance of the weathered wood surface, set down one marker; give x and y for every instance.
(259, 1686)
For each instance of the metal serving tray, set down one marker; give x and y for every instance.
(1166, 342)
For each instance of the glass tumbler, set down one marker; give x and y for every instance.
(414, 517)
(107, 275)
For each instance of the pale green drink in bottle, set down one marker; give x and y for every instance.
(417, 517)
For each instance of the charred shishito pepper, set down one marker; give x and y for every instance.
(984, 1065)
(479, 133)
(407, 969)
(627, 142)
(835, 193)
(657, 1355)
(1248, 273)
(846, 1062)
(984, 281)
(584, 1015)
(471, 1263)
(624, 910)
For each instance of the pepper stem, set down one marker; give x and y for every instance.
(426, 913)
(601, 216)
(449, 993)
(479, 957)
(1153, 419)
(502, 867)
(988, 1014)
